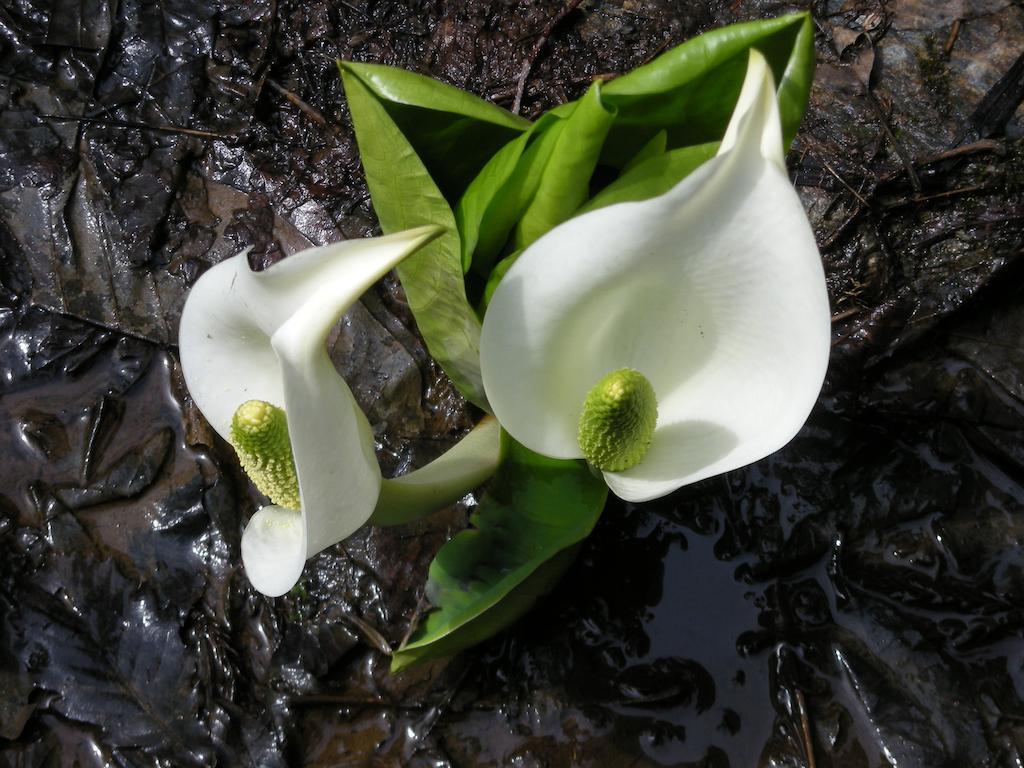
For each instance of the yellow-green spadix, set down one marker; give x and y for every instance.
(261, 336)
(713, 292)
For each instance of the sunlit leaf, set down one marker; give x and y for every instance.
(689, 90)
(454, 133)
(490, 574)
(504, 200)
(565, 179)
(405, 196)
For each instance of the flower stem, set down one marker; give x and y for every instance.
(444, 480)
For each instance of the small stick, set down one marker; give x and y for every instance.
(414, 620)
(140, 126)
(304, 108)
(535, 51)
(842, 181)
(369, 632)
(841, 229)
(937, 196)
(838, 317)
(805, 728)
(951, 40)
(982, 145)
(908, 164)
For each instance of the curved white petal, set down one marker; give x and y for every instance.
(714, 291)
(226, 358)
(247, 335)
(757, 104)
(339, 478)
(231, 313)
(274, 549)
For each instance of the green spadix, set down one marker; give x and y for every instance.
(259, 433)
(618, 419)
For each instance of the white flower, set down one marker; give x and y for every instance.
(714, 292)
(262, 336)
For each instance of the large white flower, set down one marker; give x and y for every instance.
(714, 292)
(261, 336)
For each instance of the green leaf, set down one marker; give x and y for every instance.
(523, 536)
(656, 147)
(503, 199)
(565, 179)
(472, 207)
(653, 176)
(535, 183)
(454, 133)
(496, 276)
(404, 196)
(689, 91)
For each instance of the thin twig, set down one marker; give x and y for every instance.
(982, 145)
(303, 107)
(908, 164)
(842, 181)
(841, 229)
(951, 40)
(937, 196)
(805, 728)
(846, 314)
(141, 126)
(414, 620)
(369, 633)
(535, 51)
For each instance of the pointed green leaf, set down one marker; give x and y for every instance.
(454, 133)
(657, 146)
(565, 180)
(472, 207)
(524, 531)
(548, 183)
(405, 196)
(504, 199)
(689, 91)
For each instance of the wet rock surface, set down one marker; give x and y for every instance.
(854, 600)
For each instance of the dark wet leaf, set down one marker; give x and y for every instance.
(128, 476)
(124, 669)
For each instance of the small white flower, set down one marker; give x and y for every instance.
(714, 292)
(261, 336)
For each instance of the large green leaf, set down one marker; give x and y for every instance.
(454, 133)
(404, 196)
(503, 201)
(535, 183)
(689, 91)
(489, 575)
(472, 208)
(565, 179)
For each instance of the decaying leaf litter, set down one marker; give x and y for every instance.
(858, 593)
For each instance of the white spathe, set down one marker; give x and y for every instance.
(714, 291)
(248, 335)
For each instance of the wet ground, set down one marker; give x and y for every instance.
(855, 600)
